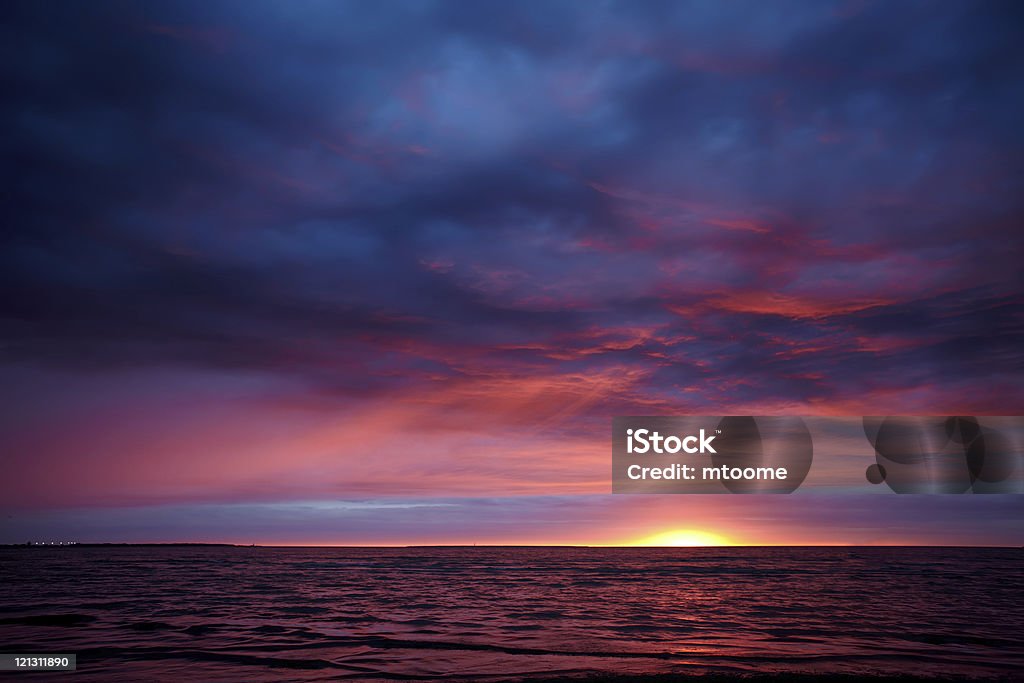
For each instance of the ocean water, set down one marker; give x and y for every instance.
(313, 614)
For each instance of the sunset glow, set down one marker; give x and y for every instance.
(683, 538)
(524, 341)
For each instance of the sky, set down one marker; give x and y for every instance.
(382, 273)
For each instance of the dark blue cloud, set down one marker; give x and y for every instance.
(821, 200)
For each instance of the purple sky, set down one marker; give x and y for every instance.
(303, 272)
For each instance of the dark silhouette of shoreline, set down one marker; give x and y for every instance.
(125, 545)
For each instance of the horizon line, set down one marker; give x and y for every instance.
(35, 544)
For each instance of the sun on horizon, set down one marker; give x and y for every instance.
(683, 538)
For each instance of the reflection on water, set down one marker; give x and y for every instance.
(218, 613)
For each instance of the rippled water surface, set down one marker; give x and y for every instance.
(310, 614)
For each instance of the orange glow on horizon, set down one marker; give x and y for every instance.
(682, 538)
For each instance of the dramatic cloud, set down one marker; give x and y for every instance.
(244, 247)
